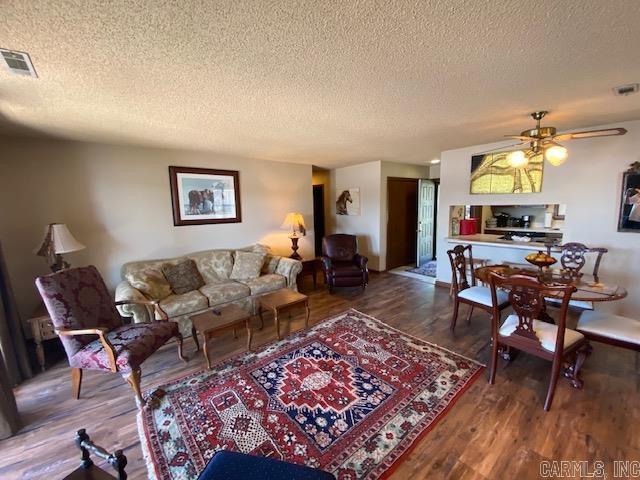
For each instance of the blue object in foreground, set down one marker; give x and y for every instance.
(226, 465)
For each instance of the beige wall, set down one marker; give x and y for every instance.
(366, 226)
(589, 183)
(371, 225)
(116, 200)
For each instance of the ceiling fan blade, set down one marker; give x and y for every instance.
(506, 148)
(520, 137)
(590, 134)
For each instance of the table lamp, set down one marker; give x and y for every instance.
(295, 222)
(57, 241)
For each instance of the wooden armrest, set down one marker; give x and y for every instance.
(153, 306)
(83, 331)
(106, 344)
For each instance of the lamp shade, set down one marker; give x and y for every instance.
(295, 222)
(57, 240)
(63, 241)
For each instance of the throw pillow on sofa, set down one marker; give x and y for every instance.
(150, 282)
(183, 277)
(214, 266)
(247, 265)
(270, 264)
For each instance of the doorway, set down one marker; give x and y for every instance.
(402, 223)
(318, 217)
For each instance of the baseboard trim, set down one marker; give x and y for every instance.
(440, 283)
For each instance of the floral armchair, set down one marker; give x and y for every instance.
(82, 309)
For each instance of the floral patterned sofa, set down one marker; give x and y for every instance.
(215, 267)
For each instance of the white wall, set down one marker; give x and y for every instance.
(116, 201)
(589, 183)
(390, 169)
(366, 226)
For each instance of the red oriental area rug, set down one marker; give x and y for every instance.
(350, 395)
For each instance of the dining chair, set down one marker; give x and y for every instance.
(525, 332)
(573, 259)
(92, 331)
(462, 269)
(612, 329)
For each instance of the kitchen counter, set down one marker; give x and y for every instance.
(528, 229)
(495, 241)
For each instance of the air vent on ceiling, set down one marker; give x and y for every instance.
(624, 90)
(17, 62)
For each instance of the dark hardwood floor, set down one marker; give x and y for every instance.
(498, 431)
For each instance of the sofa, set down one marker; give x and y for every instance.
(221, 283)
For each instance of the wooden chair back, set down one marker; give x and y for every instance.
(88, 470)
(527, 297)
(77, 299)
(460, 266)
(573, 257)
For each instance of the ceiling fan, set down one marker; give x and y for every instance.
(545, 140)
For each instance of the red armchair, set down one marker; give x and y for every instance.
(341, 263)
(81, 309)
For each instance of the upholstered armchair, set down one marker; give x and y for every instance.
(92, 331)
(341, 263)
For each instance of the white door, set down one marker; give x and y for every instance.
(426, 198)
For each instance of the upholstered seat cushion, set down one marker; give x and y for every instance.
(132, 344)
(175, 305)
(482, 295)
(218, 293)
(265, 283)
(345, 269)
(611, 326)
(546, 333)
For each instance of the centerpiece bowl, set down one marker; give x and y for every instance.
(540, 259)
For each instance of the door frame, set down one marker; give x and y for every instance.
(436, 182)
(317, 247)
(407, 180)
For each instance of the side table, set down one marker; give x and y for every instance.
(279, 301)
(208, 324)
(310, 267)
(42, 330)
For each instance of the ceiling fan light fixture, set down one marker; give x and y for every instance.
(517, 159)
(556, 155)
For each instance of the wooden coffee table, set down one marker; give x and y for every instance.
(208, 324)
(281, 300)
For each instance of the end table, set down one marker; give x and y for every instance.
(42, 330)
(310, 267)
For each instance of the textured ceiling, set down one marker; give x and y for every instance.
(328, 83)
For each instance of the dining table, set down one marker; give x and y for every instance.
(588, 287)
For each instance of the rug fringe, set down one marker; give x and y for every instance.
(146, 454)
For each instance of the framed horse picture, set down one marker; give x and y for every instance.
(348, 202)
(202, 195)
